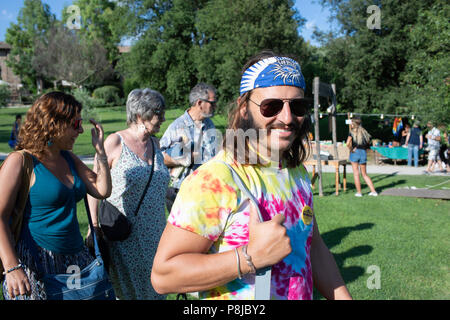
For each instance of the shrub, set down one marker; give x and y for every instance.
(129, 85)
(109, 94)
(5, 95)
(89, 103)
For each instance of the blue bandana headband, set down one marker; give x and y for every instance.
(274, 71)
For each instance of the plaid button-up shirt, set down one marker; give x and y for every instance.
(183, 137)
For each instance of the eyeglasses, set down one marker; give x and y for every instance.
(77, 124)
(213, 102)
(271, 107)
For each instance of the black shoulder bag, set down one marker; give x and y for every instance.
(114, 224)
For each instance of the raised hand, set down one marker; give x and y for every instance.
(97, 137)
(268, 241)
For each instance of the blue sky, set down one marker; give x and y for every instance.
(313, 12)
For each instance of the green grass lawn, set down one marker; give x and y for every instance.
(406, 238)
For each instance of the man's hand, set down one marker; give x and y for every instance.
(268, 241)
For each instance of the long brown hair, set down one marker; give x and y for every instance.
(50, 115)
(300, 148)
(359, 134)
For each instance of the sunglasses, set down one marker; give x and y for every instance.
(271, 107)
(77, 124)
(213, 102)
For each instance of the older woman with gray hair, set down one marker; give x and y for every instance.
(133, 154)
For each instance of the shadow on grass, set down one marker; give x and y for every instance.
(379, 187)
(334, 238)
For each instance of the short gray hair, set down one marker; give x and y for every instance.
(144, 103)
(200, 91)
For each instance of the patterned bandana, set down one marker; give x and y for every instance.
(274, 71)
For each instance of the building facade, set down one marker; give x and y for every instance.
(6, 74)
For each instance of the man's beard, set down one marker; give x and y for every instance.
(249, 123)
(207, 115)
(260, 137)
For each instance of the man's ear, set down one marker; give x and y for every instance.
(242, 108)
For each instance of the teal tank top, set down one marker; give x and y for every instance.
(51, 211)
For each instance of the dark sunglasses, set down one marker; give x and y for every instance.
(272, 107)
(77, 124)
(213, 102)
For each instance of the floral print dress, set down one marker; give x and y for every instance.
(132, 259)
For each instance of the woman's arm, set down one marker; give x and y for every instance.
(113, 149)
(10, 184)
(407, 138)
(349, 143)
(98, 184)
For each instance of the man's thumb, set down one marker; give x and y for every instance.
(254, 218)
(279, 218)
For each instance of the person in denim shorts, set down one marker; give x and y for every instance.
(358, 141)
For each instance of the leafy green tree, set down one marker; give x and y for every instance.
(232, 31)
(98, 21)
(161, 58)
(375, 59)
(33, 21)
(427, 73)
(64, 55)
(182, 42)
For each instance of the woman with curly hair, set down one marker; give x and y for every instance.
(58, 181)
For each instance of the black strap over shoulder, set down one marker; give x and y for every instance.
(150, 178)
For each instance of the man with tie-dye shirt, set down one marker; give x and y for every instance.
(214, 240)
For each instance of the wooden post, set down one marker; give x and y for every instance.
(316, 132)
(333, 121)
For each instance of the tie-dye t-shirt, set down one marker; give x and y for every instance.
(209, 204)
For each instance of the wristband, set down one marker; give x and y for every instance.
(248, 259)
(238, 263)
(13, 269)
(102, 159)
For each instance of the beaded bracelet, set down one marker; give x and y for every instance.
(13, 269)
(238, 263)
(248, 259)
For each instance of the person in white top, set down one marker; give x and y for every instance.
(433, 139)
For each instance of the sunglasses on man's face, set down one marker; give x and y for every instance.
(213, 102)
(271, 107)
(77, 124)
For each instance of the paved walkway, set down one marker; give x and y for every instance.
(371, 169)
(386, 169)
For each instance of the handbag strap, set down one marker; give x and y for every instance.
(263, 275)
(16, 218)
(150, 178)
(91, 226)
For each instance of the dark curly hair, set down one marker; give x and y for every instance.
(49, 117)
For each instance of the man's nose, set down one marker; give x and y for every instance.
(285, 115)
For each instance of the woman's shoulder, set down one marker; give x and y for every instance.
(114, 140)
(13, 164)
